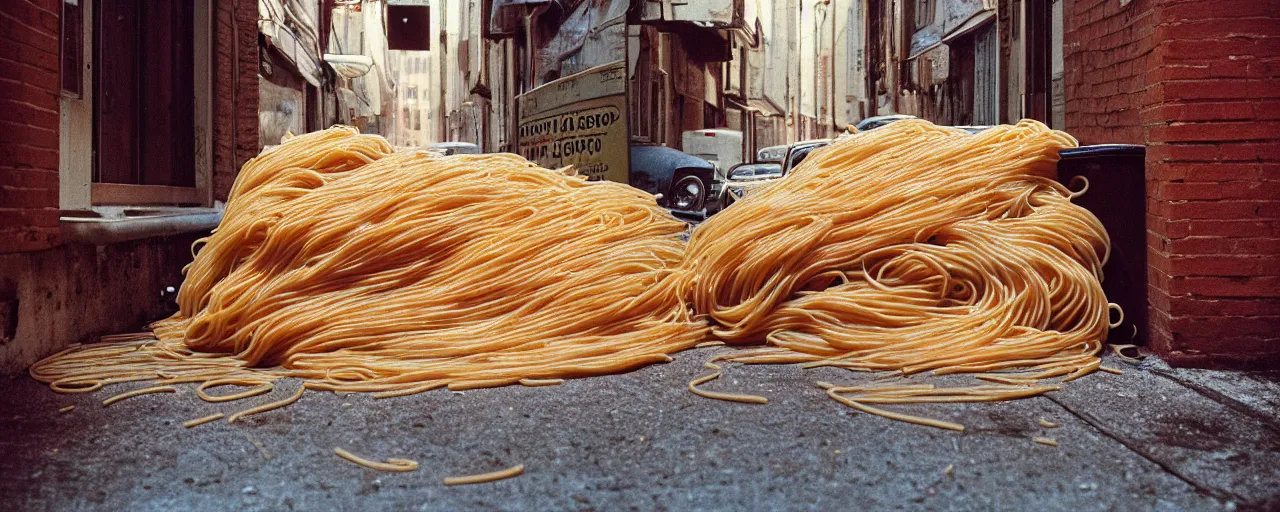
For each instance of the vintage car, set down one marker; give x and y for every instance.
(773, 163)
(455, 148)
(686, 183)
(872, 123)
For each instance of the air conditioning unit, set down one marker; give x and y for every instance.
(350, 66)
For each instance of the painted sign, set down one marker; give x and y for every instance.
(579, 120)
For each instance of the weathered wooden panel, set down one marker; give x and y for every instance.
(116, 92)
(986, 80)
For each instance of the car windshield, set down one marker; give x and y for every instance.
(799, 155)
(756, 171)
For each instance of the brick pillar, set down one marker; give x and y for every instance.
(29, 92)
(1211, 120)
(1196, 82)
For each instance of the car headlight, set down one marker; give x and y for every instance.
(688, 193)
(740, 174)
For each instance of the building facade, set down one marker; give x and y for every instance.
(128, 123)
(109, 128)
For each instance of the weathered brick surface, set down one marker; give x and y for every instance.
(29, 90)
(1202, 77)
(1106, 49)
(235, 91)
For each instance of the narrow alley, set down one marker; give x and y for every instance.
(659, 254)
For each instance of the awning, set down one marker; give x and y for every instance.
(300, 48)
(923, 49)
(973, 23)
(763, 107)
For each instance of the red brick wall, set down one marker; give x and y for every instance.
(235, 91)
(29, 91)
(1208, 104)
(1213, 126)
(1105, 53)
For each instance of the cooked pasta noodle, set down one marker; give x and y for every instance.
(268, 406)
(399, 465)
(1118, 350)
(533, 383)
(912, 248)
(262, 387)
(1111, 370)
(139, 392)
(359, 268)
(731, 397)
(201, 421)
(485, 477)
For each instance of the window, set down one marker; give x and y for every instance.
(131, 101)
(145, 96)
(924, 13)
(798, 156)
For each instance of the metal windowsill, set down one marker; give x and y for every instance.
(112, 225)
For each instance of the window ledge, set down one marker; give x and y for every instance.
(112, 225)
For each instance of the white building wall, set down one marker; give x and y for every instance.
(850, 58)
(808, 59)
(777, 41)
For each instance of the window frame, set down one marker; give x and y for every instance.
(77, 188)
(924, 11)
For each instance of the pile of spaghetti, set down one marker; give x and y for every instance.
(912, 248)
(906, 249)
(356, 267)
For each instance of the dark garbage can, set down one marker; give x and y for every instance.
(1117, 195)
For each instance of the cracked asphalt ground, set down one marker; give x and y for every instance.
(1150, 439)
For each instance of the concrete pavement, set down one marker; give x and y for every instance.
(1151, 439)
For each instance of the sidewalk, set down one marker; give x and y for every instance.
(1151, 439)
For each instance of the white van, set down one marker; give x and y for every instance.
(723, 148)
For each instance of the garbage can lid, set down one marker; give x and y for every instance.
(1104, 150)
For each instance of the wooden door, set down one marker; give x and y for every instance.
(144, 131)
